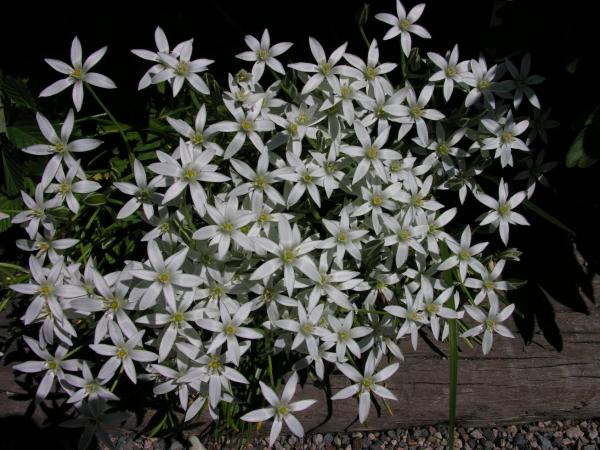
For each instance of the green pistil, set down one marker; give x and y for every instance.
(77, 74)
(302, 118)
(482, 85)
(217, 292)
(246, 126)
(367, 383)
(346, 92)
(190, 174)
(229, 329)
(443, 148)
(342, 238)
(288, 256)
(376, 200)
(214, 365)
(53, 365)
(178, 318)
(451, 71)
(182, 68)
(489, 285)
(59, 148)
(113, 304)
(465, 255)
(165, 227)
(379, 285)
(227, 227)
(263, 217)
(504, 209)
(330, 167)
(404, 24)
(370, 72)
(293, 129)
(282, 410)
(164, 277)
(396, 166)
(263, 54)
(344, 336)
(307, 178)
(198, 139)
(307, 328)
(325, 68)
(45, 290)
(372, 152)
(489, 324)
(415, 316)
(268, 295)
(415, 111)
(432, 308)
(403, 235)
(260, 182)
(121, 353)
(507, 137)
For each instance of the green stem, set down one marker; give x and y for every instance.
(543, 214)
(13, 266)
(453, 369)
(364, 36)
(271, 378)
(117, 124)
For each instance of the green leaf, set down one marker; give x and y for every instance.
(24, 133)
(585, 149)
(13, 174)
(17, 92)
(370, 254)
(95, 199)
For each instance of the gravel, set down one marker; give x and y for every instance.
(546, 435)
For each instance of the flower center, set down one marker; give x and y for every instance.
(45, 290)
(307, 178)
(282, 410)
(507, 137)
(403, 235)
(164, 277)
(443, 148)
(121, 353)
(307, 328)
(246, 126)
(198, 138)
(376, 200)
(415, 316)
(372, 152)
(165, 227)
(482, 85)
(330, 167)
(227, 227)
(91, 387)
(379, 112)
(404, 24)
(230, 329)
(43, 246)
(178, 318)
(379, 285)
(396, 166)
(370, 72)
(415, 111)
(60, 148)
(114, 304)
(489, 324)
(504, 209)
(302, 118)
(344, 335)
(264, 217)
(346, 92)
(489, 285)
(293, 129)
(217, 292)
(182, 68)
(325, 68)
(268, 295)
(432, 308)
(465, 254)
(367, 383)
(52, 365)
(190, 174)
(214, 365)
(64, 187)
(263, 54)
(342, 237)
(451, 71)
(288, 256)
(77, 73)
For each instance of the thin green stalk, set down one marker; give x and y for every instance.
(270, 369)
(544, 215)
(453, 369)
(117, 124)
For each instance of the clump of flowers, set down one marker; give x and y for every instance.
(308, 213)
